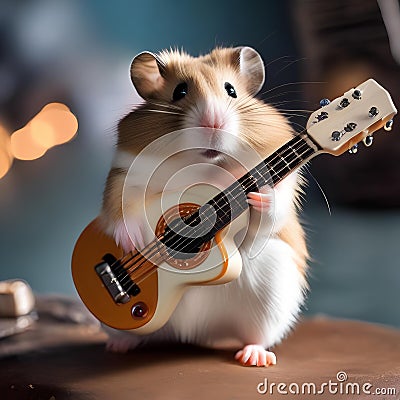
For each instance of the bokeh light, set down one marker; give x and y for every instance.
(6, 157)
(24, 147)
(42, 132)
(53, 125)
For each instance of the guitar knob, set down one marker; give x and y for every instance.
(354, 149)
(368, 141)
(140, 310)
(324, 102)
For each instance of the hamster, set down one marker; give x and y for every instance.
(216, 91)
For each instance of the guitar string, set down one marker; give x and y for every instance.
(245, 182)
(249, 180)
(226, 208)
(154, 267)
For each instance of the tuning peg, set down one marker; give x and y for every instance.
(368, 140)
(350, 127)
(324, 102)
(354, 149)
(336, 135)
(357, 94)
(373, 112)
(322, 116)
(389, 125)
(344, 102)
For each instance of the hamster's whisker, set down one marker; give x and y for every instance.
(275, 95)
(266, 125)
(229, 106)
(299, 128)
(289, 64)
(293, 114)
(320, 188)
(289, 84)
(246, 104)
(163, 112)
(253, 109)
(276, 59)
(280, 103)
(170, 106)
(276, 98)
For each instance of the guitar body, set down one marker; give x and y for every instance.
(163, 285)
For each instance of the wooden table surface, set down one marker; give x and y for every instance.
(57, 360)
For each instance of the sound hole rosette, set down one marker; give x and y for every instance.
(181, 211)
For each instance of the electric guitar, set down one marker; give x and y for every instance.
(192, 243)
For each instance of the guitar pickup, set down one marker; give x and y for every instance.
(116, 280)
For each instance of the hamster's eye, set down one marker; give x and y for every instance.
(180, 91)
(230, 90)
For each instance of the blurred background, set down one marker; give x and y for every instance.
(74, 57)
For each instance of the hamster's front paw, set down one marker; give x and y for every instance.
(255, 355)
(128, 240)
(262, 200)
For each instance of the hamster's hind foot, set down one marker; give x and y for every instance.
(255, 355)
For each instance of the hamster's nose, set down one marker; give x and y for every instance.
(212, 117)
(210, 123)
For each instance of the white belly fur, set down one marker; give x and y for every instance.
(259, 307)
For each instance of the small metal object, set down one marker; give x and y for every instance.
(368, 140)
(356, 94)
(322, 116)
(140, 310)
(324, 102)
(354, 149)
(336, 135)
(373, 112)
(389, 125)
(350, 127)
(16, 298)
(344, 102)
(111, 282)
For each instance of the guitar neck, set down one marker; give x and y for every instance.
(230, 203)
(222, 209)
(281, 163)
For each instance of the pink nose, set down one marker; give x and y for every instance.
(211, 123)
(212, 117)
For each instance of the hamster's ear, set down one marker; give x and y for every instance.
(146, 74)
(251, 68)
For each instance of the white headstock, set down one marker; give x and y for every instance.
(339, 125)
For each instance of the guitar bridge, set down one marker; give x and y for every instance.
(116, 280)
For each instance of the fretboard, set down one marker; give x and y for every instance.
(222, 209)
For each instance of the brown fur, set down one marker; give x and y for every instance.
(261, 125)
